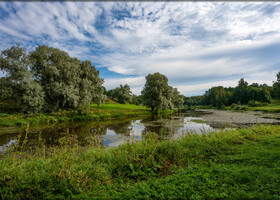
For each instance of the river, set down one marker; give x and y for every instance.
(114, 133)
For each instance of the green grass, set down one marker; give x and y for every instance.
(106, 111)
(273, 107)
(268, 108)
(233, 164)
(114, 106)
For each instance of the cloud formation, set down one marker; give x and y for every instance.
(195, 44)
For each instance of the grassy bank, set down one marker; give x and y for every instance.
(105, 111)
(273, 107)
(235, 164)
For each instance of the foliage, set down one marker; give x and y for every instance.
(193, 100)
(23, 88)
(137, 100)
(234, 164)
(177, 99)
(123, 94)
(253, 103)
(158, 95)
(48, 79)
(5, 89)
(216, 96)
(242, 94)
(276, 87)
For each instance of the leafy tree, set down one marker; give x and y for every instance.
(91, 88)
(58, 74)
(216, 96)
(194, 100)
(67, 82)
(26, 91)
(157, 94)
(177, 99)
(5, 89)
(123, 93)
(265, 96)
(241, 92)
(276, 86)
(261, 94)
(48, 79)
(136, 99)
(255, 85)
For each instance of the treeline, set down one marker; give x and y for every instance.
(48, 79)
(252, 95)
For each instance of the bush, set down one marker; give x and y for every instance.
(253, 103)
(222, 107)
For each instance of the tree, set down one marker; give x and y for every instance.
(177, 99)
(67, 82)
(157, 94)
(136, 99)
(276, 87)
(25, 90)
(241, 92)
(5, 89)
(91, 88)
(194, 100)
(48, 79)
(216, 96)
(123, 93)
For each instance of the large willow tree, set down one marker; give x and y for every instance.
(158, 95)
(48, 79)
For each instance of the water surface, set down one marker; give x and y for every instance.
(113, 133)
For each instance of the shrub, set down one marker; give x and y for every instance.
(222, 107)
(253, 103)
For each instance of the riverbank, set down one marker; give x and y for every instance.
(108, 111)
(273, 107)
(235, 164)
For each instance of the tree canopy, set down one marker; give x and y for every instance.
(48, 79)
(122, 94)
(157, 94)
(276, 86)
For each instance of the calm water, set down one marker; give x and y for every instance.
(109, 134)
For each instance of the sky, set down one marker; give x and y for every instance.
(197, 45)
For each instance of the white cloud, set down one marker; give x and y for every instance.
(131, 81)
(186, 41)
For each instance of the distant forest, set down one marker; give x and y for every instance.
(252, 95)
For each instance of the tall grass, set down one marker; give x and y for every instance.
(234, 164)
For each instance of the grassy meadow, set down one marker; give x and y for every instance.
(233, 164)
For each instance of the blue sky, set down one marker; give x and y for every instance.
(197, 45)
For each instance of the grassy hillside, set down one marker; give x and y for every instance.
(234, 164)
